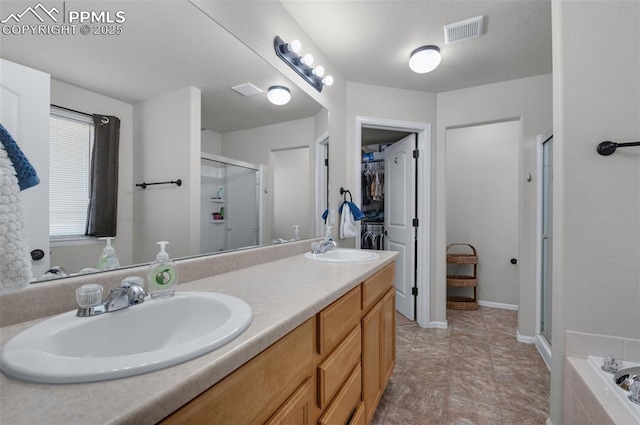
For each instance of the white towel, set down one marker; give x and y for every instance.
(15, 260)
(347, 223)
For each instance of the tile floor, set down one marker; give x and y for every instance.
(475, 372)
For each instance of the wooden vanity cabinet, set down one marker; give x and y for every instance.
(378, 339)
(275, 379)
(331, 370)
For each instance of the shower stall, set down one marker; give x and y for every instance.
(230, 207)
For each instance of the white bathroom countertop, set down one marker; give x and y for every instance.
(282, 294)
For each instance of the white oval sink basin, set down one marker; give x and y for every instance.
(344, 255)
(153, 335)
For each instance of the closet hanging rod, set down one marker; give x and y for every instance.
(606, 148)
(144, 185)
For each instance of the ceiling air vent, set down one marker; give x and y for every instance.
(463, 30)
(246, 89)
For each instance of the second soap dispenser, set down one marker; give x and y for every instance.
(162, 275)
(108, 260)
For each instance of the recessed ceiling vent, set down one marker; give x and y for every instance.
(246, 89)
(463, 30)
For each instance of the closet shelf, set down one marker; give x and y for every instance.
(462, 281)
(462, 259)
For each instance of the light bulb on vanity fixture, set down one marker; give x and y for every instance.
(279, 95)
(295, 46)
(307, 59)
(289, 53)
(424, 59)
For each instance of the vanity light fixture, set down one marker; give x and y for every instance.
(279, 95)
(289, 53)
(424, 59)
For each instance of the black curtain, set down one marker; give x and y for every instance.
(103, 199)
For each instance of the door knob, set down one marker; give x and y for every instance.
(514, 261)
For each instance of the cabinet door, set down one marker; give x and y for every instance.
(295, 411)
(255, 391)
(371, 344)
(388, 349)
(378, 351)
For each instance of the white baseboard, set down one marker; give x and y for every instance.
(439, 325)
(498, 305)
(526, 339)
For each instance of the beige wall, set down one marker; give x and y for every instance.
(529, 101)
(257, 145)
(211, 142)
(76, 257)
(167, 133)
(482, 172)
(256, 23)
(596, 199)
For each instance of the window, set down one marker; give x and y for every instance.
(71, 143)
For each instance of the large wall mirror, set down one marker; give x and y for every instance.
(248, 168)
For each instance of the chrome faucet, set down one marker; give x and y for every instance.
(124, 295)
(324, 246)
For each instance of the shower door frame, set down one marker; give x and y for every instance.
(256, 167)
(541, 342)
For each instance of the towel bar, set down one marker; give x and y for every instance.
(606, 148)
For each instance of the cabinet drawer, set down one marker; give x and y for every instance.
(358, 416)
(374, 287)
(337, 320)
(348, 398)
(333, 371)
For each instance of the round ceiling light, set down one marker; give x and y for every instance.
(279, 95)
(425, 59)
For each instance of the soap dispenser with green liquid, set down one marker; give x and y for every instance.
(162, 275)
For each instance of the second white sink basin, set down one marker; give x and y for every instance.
(142, 338)
(344, 255)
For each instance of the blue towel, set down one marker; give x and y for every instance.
(355, 211)
(26, 174)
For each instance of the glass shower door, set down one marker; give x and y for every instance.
(229, 202)
(547, 238)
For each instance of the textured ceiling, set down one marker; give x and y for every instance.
(370, 41)
(165, 46)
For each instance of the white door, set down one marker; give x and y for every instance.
(24, 112)
(399, 212)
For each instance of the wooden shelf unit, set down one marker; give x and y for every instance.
(463, 281)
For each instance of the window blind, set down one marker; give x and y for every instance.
(71, 141)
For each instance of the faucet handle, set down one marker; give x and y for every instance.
(89, 295)
(134, 285)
